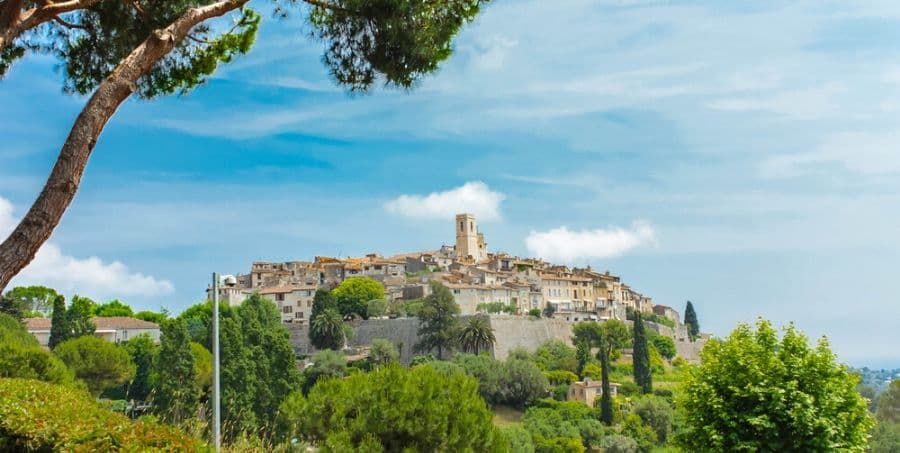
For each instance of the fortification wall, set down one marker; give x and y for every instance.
(511, 332)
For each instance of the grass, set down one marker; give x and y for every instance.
(505, 416)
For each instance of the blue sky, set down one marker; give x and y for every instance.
(742, 155)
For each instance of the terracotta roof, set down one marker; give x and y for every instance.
(123, 322)
(37, 324)
(278, 290)
(116, 322)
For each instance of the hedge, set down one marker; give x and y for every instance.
(37, 416)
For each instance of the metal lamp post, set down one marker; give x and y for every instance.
(217, 420)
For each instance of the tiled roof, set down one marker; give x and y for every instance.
(278, 290)
(115, 322)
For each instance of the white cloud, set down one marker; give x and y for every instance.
(473, 197)
(858, 152)
(89, 276)
(562, 244)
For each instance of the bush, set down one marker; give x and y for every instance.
(644, 435)
(656, 413)
(36, 416)
(22, 357)
(99, 363)
(553, 423)
(534, 313)
(561, 377)
(393, 409)
(629, 388)
(519, 439)
(618, 443)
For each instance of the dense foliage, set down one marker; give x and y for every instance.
(36, 416)
(23, 301)
(515, 382)
(353, 296)
(753, 391)
(393, 409)
(100, 364)
(607, 337)
(176, 397)
(438, 322)
(22, 357)
(563, 426)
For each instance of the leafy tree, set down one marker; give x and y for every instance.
(664, 345)
(888, 406)
(753, 391)
(885, 438)
(582, 355)
(354, 294)
(522, 382)
(690, 320)
(487, 371)
(113, 308)
(636, 429)
(475, 335)
(519, 439)
(413, 307)
(238, 379)
(23, 300)
(143, 354)
(643, 374)
(553, 423)
(114, 49)
(99, 363)
(22, 357)
(383, 352)
(556, 355)
(152, 316)
(203, 368)
(60, 330)
(656, 413)
(534, 313)
(327, 330)
(437, 321)
(325, 364)
(394, 409)
(176, 399)
(607, 337)
(79, 316)
(376, 308)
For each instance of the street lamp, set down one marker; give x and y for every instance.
(217, 416)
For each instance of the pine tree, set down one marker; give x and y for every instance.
(437, 321)
(60, 330)
(643, 373)
(690, 320)
(176, 397)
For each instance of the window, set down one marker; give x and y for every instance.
(287, 309)
(279, 297)
(124, 334)
(298, 315)
(461, 227)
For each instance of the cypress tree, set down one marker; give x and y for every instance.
(60, 330)
(643, 373)
(583, 355)
(690, 320)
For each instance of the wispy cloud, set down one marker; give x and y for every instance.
(86, 276)
(809, 103)
(473, 197)
(565, 245)
(861, 153)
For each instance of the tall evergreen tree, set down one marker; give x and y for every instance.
(176, 397)
(60, 330)
(143, 353)
(690, 320)
(643, 373)
(606, 337)
(437, 320)
(583, 355)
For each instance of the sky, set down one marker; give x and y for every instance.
(741, 155)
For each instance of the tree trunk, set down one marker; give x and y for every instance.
(35, 228)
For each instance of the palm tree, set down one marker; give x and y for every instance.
(327, 330)
(477, 334)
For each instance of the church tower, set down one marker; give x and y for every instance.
(469, 242)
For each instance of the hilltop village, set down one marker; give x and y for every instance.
(476, 277)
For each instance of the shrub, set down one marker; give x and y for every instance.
(561, 377)
(628, 388)
(22, 357)
(656, 413)
(37, 416)
(99, 363)
(618, 443)
(519, 439)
